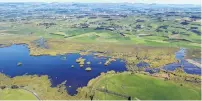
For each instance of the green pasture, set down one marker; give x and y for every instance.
(144, 87)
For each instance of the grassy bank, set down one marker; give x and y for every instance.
(142, 87)
(137, 86)
(39, 85)
(16, 94)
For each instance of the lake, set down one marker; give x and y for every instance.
(179, 55)
(56, 67)
(188, 67)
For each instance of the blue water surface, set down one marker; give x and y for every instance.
(188, 67)
(179, 55)
(56, 67)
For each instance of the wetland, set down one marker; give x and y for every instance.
(95, 51)
(57, 67)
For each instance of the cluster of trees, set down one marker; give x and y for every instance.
(47, 24)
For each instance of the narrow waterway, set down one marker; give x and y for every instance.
(187, 67)
(182, 63)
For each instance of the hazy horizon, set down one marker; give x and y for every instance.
(195, 2)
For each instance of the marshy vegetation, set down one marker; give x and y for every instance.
(88, 69)
(130, 35)
(183, 83)
(39, 85)
(88, 63)
(81, 61)
(109, 61)
(131, 54)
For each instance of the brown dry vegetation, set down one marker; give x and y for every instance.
(109, 61)
(132, 54)
(193, 53)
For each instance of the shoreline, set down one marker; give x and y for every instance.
(194, 62)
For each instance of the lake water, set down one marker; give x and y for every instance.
(179, 55)
(188, 67)
(59, 69)
(56, 67)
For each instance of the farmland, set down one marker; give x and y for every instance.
(97, 47)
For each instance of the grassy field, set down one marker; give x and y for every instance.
(151, 36)
(143, 87)
(16, 94)
(138, 86)
(63, 30)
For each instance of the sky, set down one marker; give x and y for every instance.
(115, 1)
